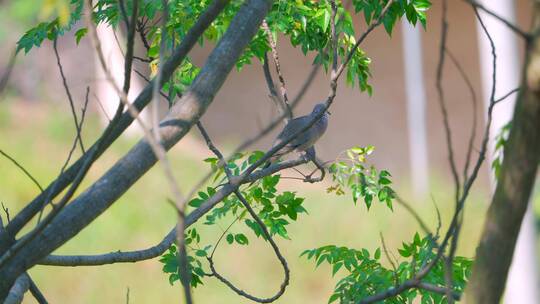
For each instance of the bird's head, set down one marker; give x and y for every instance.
(320, 107)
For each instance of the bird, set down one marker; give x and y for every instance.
(304, 141)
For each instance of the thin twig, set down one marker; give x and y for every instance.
(154, 251)
(280, 257)
(414, 214)
(6, 211)
(279, 103)
(275, 56)
(7, 73)
(455, 224)
(442, 102)
(38, 295)
(21, 167)
(264, 230)
(474, 105)
(70, 154)
(392, 263)
(516, 90)
(510, 25)
(118, 125)
(123, 11)
(68, 93)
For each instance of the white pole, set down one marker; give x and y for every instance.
(115, 63)
(416, 107)
(522, 284)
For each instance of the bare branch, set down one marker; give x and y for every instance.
(68, 93)
(442, 102)
(279, 103)
(18, 165)
(514, 28)
(516, 90)
(284, 99)
(17, 291)
(474, 104)
(414, 214)
(128, 63)
(18, 245)
(38, 295)
(91, 203)
(7, 73)
(392, 263)
(117, 126)
(157, 250)
(280, 257)
(112, 257)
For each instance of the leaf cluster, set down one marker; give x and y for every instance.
(306, 24)
(276, 209)
(365, 274)
(362, 179)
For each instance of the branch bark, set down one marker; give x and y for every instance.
(122, 124)
(102, 194)
(509, 203)
(17, 291)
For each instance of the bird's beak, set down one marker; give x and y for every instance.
(328, 112)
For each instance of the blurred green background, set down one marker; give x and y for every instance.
(142, 216)
(37, 130)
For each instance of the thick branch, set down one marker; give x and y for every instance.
(140, 159)
(113, 257)
(123, 123)
(157, 250)
(17, 291)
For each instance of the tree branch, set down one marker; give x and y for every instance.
(514, 28)
(514, 186)
(115, 129)
(280, 257)
(139, 159)
(38, 295)
(21, 167)
(284, 99)
(68, 93)
(157, 250)
(17, 291)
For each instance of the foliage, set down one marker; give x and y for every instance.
(52, 29)
(305, 23)
(170, 259)
(307, 26)
(276, 209)
(366, 275)
(362, 179)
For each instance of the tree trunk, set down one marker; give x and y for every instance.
(521, 156)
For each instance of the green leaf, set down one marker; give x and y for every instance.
(336, 268)
(241, 239)
(200, 253)
(79, 34)
(334, 298)
(230, 238)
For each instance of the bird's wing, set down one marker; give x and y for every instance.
(293, 126)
